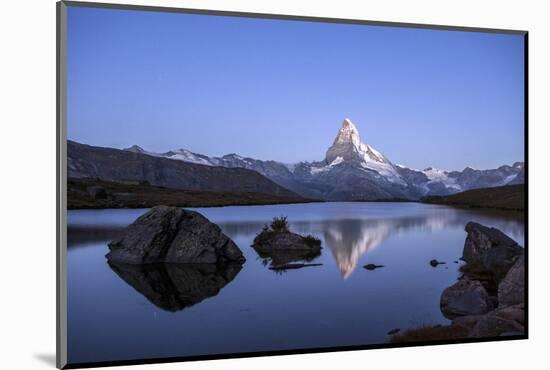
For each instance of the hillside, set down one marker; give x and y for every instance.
(93, 193)
(510, 197)
(85, 161)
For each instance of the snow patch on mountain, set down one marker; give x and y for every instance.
(335, 162)
(436, 175)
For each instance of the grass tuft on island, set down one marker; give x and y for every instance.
(86, 193)
(280, 225)
(509, 197)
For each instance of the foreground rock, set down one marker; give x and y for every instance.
(173, 287)
(490, 249)
(492, 260)
(511, 289)
(508, 320)
(465, 297)
(174, 235)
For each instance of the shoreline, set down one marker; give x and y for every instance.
(458, 206)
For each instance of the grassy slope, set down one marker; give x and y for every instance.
(510, 197)
(122, 195)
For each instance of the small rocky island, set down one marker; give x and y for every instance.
(277, 243)
(173, 235)
(489, 298)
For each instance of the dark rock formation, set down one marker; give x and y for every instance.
(511, 290)
(502, 321)
(466, 297)
(282, 246)
(175, 235)
(489, 254)
(435, 263)
(284, 241)
(173, 287)
(490, 249)
(372, 266)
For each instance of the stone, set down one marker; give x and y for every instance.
(283, 247)
(286, 241)
(372, 266)
(511, 290)
(509, 319)
(465, 297)
(435, 263)
(173, 235)
(490, 249)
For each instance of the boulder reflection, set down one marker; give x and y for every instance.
(173, 287)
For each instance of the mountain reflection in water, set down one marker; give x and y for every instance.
(349, 239)
(202, 307)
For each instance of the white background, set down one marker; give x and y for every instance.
(27, 154)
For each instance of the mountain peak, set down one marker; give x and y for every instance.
(348, 146)
(135, 149)
(348, 133)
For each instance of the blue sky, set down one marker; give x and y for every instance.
(276, 89)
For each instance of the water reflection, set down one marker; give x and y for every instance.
(174, 287)
(349, 239)
(274, 259)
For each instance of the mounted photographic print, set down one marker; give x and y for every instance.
(235, 184)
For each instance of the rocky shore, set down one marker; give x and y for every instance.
(488, 299)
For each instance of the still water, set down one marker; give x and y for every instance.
(117, 313)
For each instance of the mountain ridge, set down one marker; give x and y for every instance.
(353, 170)
(109, 164)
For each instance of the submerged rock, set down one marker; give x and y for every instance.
(465, 297)
(175, 235)
(372, 266)
(173, 287)
(490, 249)
(435, 263)
(511, 290)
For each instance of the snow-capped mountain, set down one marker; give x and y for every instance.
(354, 170)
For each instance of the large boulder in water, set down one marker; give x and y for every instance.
(465, 297)
(511, 290)
(173, 235)
(490, 249)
